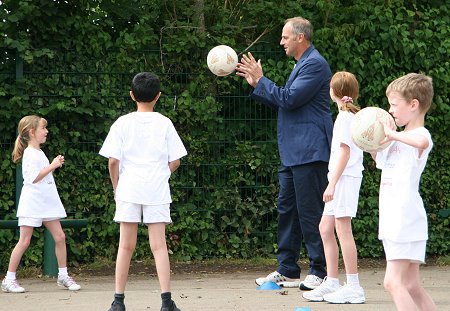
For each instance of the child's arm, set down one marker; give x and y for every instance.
(57, 162)
(113, 167)
(174, 165)
(417, 141)
(344, 156)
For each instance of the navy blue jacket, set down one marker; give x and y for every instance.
(305, 125)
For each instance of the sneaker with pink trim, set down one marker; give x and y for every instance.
(12, 286)
(68, 283)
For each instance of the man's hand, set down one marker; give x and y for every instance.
(250, 69)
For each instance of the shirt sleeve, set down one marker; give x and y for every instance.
(344, 134)
(176, 149)
(424, 132)
(30, 167)
(111, 147)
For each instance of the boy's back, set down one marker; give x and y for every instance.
(144, 143)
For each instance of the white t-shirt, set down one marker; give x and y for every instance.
(341, 134)
(41, 199)
(402, 214)
(144, 143)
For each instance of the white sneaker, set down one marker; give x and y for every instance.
(346, 294)
(13, 286)
(311, 281)
(68, 283)
(280, 279)
(326, 287)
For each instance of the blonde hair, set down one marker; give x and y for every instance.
(414, 86)
(26, 124)
(343, 84)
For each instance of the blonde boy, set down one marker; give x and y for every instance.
(403, 226)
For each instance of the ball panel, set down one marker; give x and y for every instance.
(367, 130)
(222, 60)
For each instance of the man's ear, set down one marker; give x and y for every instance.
(132, 96)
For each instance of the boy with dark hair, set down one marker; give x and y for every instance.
(143, 149)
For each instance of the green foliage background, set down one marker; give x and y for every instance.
(79, 58)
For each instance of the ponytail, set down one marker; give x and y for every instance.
(19, 147)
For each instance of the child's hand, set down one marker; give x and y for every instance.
(58, 161)
(328, 194)
(389, 128)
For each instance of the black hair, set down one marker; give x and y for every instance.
(145, 87)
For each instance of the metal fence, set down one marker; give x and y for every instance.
(243, 119)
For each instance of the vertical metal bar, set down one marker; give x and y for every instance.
(19, 76)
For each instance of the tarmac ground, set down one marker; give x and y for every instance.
(205, 291)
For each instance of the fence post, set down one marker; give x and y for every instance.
(50, 261)
(19, 76)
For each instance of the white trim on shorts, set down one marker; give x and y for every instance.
(413, 251)
(148, 214)
(345, 199)
(34, 222)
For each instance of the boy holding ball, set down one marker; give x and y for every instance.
(403, 226)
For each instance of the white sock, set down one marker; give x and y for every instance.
(333, 281)
(62, 272)
(353, 279)
(10, 276)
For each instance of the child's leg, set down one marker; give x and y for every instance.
(24, 241)
(348, 246)
(396, 283)
(158, 246)
(330, 246)
(127, 244)
(419, 295)
(59, 236)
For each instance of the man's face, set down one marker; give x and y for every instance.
(289, 41)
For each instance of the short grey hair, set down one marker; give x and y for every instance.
(301, 25)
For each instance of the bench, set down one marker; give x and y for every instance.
(50, 264)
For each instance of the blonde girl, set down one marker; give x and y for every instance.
(39, 201)
(341, 198)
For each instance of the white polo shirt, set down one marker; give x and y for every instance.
(402, 215)
(144, 143)
(341, 134)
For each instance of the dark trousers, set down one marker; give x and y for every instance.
(300, 208)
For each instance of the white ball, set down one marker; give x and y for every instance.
(222, 60)
(367, 131)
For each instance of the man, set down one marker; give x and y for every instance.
(304, 131)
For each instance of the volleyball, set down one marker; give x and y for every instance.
(222, 60)
(367, 131)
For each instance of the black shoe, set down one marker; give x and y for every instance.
(173, 307)
(117, 306)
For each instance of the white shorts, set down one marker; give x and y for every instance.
(34, 222)
(148, 214)
(345, 200)
(414, 251)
